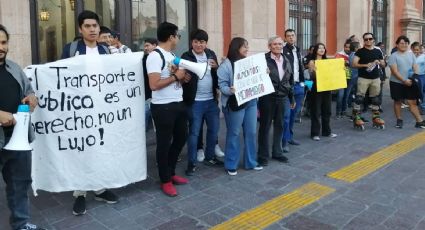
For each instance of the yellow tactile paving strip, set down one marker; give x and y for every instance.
(365, 166)
(276, 209)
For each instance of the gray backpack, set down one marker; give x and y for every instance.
(74, 45)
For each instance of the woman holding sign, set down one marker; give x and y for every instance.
(320, 101)
(237, 116)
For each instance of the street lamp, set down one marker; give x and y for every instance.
(44, 15)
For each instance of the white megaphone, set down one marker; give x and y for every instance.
(19, 140)
(200, 69)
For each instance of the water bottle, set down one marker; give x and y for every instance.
(371, 68)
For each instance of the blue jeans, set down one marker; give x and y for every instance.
(16, 170)
(246, 119)
(352, 90)
(289, 117)
(200, 110)
(422, 87)
(342, 99)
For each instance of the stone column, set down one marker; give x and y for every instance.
(353, 19)
(254, 20)
(210, 19)
(15, 16)
(412, 21)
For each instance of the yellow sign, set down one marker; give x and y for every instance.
(330, 74)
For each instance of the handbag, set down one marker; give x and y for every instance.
(232, 104)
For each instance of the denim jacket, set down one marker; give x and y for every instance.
(225, 80)
(26, 89)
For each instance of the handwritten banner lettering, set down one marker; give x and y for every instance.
(89, 125)
(251, 79)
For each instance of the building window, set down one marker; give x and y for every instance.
(177, 13)
(302, 18)
(54, 22)
(144, 22)
(148, 13)
(106, 11)
(56, 27)
(379, 20)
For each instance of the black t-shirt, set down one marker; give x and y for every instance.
(368, 56)
(9, 95)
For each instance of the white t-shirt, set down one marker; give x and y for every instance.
(170, 93)
(296, 65)
(91, 51)
(204, 90)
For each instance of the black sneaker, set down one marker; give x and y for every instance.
(107, 196)
(399, 124)
(191, 169)
(79, 206)
(29, 226)
(213, 162)
(420, 125)
(263, 161)
(282, 159)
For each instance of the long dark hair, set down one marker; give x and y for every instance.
(316, 48)
(233, 52)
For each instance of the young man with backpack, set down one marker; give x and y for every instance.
(89, 28)
(168, 109)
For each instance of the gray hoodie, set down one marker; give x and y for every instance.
(26, 89)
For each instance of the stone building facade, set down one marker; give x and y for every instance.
(37, 40)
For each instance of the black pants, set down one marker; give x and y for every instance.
(321, 110)
(171, 134)
(16, 169)
(271, 110)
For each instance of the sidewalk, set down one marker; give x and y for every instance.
(390, 198)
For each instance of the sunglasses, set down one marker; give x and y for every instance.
(368, 39)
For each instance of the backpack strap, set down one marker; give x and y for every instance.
(162, 57)
(73, 48)
(106, 49)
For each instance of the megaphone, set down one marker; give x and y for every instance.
(200, 69)
(19, 140)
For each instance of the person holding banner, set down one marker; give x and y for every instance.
(89, 28)
(237, 116)
(272, 106)
(321, 102)
(201, 96)
(15, 89)
(167, 107)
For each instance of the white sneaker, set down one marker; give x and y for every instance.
(200, 155)
(332, 135)
(218, 151)
(258, 168)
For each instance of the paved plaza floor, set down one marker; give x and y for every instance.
(392, 197)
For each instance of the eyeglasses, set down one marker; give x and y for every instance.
(368, 39)
(178, 35)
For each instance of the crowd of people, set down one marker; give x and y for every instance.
(179, 102)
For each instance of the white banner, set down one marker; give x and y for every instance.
(251, 79)
(89, 125)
